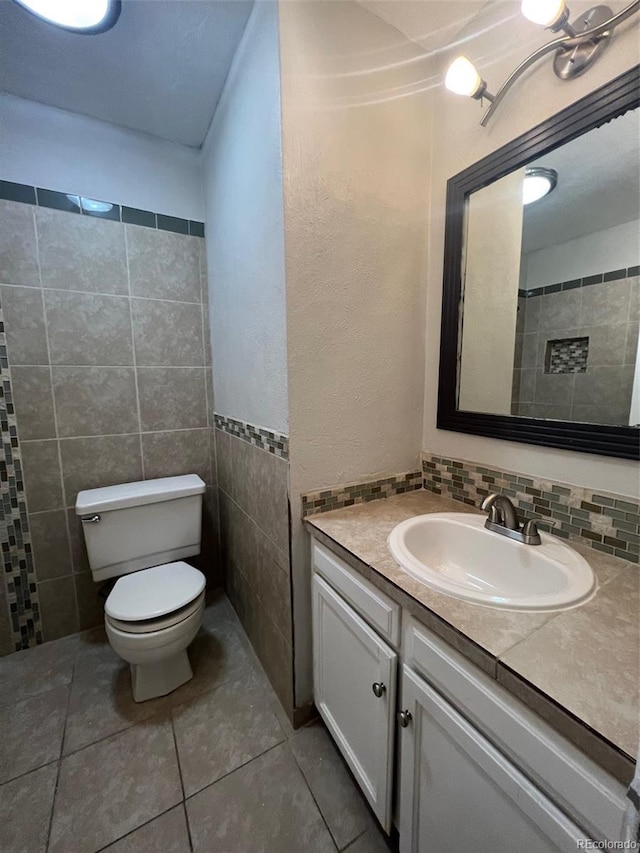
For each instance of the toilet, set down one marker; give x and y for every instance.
(141, 533)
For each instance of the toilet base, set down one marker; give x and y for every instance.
(150, 680)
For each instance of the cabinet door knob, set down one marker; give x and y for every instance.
(378, 688)
(404, 718)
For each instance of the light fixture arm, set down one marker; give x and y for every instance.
(568, 41)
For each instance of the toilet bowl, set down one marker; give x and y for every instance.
(150, 618)
(135, 532)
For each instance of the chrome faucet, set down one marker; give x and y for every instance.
(503, 519)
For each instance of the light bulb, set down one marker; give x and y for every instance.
(546, 13)
(462, 77)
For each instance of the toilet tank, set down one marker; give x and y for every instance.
(137, 525)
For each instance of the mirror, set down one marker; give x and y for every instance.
(555, 280)
(542, 283)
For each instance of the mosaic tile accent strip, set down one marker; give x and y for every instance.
(587, 281)
(273, 442)
(357, 493)
(567, 356)
(70, 203)
(17, 559)
(604, 522)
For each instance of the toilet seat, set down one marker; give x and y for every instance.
(148, 626)
(148, 595)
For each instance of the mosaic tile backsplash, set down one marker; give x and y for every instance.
(605, 522)
(356, 493)
(568, 356)
(273, 442)
(18, 590)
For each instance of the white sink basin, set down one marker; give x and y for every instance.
(453, 553)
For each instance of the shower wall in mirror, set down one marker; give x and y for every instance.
(551, 287)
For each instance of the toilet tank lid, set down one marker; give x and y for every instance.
(137, 494)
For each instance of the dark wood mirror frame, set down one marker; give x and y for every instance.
(599, 107)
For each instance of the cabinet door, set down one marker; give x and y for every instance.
(349, 658)
(458, 792)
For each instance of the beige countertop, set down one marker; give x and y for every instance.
(579, 669)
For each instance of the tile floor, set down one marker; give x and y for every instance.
(215, 766)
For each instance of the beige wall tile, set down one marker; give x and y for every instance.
(172, 398)
(81, 252)
(169, 454)
(167, 333)
(33, 401)
(91, 463)
(50, 543)
(24, 325)
(18, 247)
(57, 599)
(90, 604)
(163, 265)
(88, 328)
(95, 400)
(42, 476)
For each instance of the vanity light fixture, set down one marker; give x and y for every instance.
(538, 182)
(583, 41)
(78, 16)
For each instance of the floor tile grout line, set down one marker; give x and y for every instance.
(188, 825)
(26, 772)
(353, 841)
(60, 759)
(168, 711)
(136, 828)
(175, 747)
(235, 770)
(317, 804)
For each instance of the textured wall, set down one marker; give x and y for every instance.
(242, 165)
(355, 131)
(72, 153)
(498, 38)
(107, 342)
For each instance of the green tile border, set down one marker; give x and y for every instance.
(266, 439)
(605, 522)
(339, 497)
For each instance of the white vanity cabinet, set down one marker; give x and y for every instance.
(475, 769)
(355, 693)
(458, 792)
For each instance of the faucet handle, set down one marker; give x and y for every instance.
(531, 526)
(530, 532)
(494, 514)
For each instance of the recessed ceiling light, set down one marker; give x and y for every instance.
(79, 16)
(538, 182)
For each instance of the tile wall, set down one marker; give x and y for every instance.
(254, 532)
(606, 522)
(355, 493)
(603, 310)
(108, 345)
